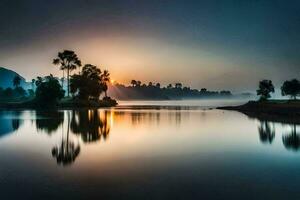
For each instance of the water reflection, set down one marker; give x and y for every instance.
(266, 133)
(48, 121)
(68, 150)
(10, 121)
(291, 141)
(90, 125)
(78, 128)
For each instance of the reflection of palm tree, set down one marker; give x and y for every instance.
(292, 140)
(67, 151)
(105, 127)
(266, 134)
(90, 125)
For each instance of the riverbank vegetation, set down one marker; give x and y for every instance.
(154, 91)
(84, 88)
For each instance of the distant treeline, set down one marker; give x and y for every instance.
(16, 93)
(139, 90)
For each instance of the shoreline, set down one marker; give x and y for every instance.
(289, 108)
(31, 105)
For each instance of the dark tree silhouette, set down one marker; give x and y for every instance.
(68, 61)
(88, 84)
(155, 91)
(16, 81)
(291, 88)
(169, 86)
(178, 85)
(133, 83)
(105, 78)
(48, 90)
(265, 88)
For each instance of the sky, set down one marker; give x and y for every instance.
(228, 44)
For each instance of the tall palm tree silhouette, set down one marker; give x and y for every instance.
(105, 77)
(68, 61)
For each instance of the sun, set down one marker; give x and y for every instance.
(112, 81)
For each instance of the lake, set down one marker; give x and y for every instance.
(148, 150)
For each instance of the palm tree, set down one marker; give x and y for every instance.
(16, 81)
(69, 61)
(105, 78)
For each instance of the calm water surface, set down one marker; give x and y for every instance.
(171, 151)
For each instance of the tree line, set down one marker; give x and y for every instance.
(139, 90)
(289, 88)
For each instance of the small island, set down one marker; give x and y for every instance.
(268, 109)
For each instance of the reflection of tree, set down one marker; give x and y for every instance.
(49, 121)
(16, 121)
(292, 140)
(142, 117)
(10, 121)
(266, 134)
(90, 125)
(67, 151)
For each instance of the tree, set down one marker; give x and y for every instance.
(291, 88)
(105, 77)
(133, 83)
(157, 85)
(169, 86)
(178, 85)
(68, 61)
(88, 84)
(265, 88)
(32, 84)
(16, 81)
(48, 90)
